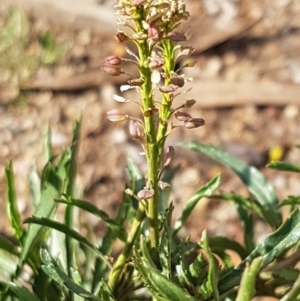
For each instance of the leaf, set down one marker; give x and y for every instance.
(213, 269)
(89, 207)
(164, 249)
(57, 274)
(293, 293)
(205, 191)
(13, 210)
(247, 287)
(22, 293)
(224, 243)
(291, 200)
(8, 264)
(6, 245)
(250, 176)
(35, 186)
(284, 166)
(271, 247)
(247, 220)
(67, 231)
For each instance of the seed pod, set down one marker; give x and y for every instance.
(182, 116)
(168, 89)
(113, 60)
(136, 129)
(150, 112)
(176, 36)
(145, 194)
(194, 123)
(111, 69)
(169, 154)
(188, 103)
(116, 116)
(121, 37)
(177, 80)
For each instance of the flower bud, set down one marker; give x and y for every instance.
(136, 129)
(121, 37)
(177, 80)
(154, 32)
(137, 2)
(113, 60)
(111, 69)
(135, 82)
(116, 116)
(145, 194)
(194, 123)
(182, 116)
(169, 154)
(188, 103)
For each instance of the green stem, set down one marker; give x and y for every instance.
(116, 272)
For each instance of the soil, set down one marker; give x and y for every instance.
(250, 43)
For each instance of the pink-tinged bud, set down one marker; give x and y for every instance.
(150, 112)
(113, 60)
(135, 82)
(156, 63)
(163, 185)
(111, 69)
(177, 81)
(136, 129)
(169, 154)
(116, 116)
(121, 37)
(194, 123)
(154, 32)
(137, 2)
(189, 103)
(145, 194)
(176, 36)
(168, 89)
(182, 116)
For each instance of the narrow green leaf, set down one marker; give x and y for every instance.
(166, 242)
(271, 247)
(249, 204)
(6, 245)
(205, 191)
(284, 166)
(224, 243)
(22, 293)
(109, 239)
(57, 274)
(250, 176)
(13, 210)
(67, 231)
(8, 265)
(291, 200)
(247, 220)
(52, 184)
(159, 285)
(247, 287)
(89, 207)
(35, 186)
(294, 292)
(213, 268)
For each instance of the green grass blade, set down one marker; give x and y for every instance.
(247, 287)
(250, 176)
(66, 230)
(205, 191)
(284, 166)
(287, 235)
(13, 210)
(35, 186)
